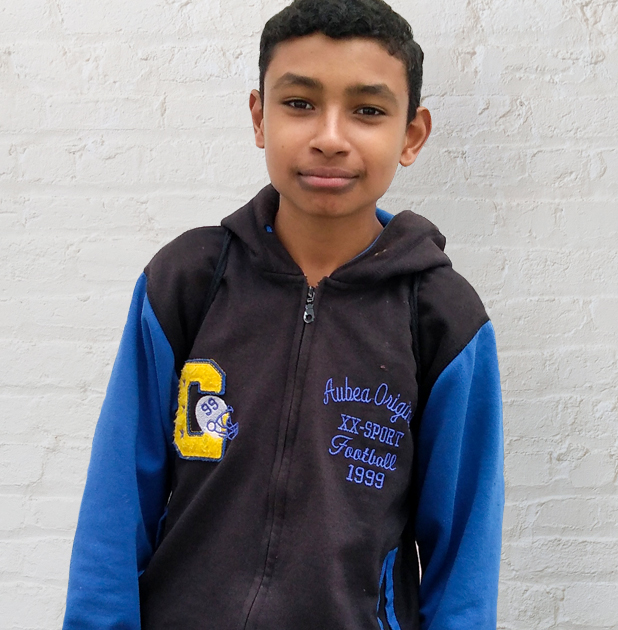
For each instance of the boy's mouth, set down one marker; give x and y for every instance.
(326, 177)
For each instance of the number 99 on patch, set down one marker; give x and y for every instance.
(360, 475)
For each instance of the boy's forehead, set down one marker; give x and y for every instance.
(348, 61)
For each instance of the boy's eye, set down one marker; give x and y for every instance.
(298, 103)
(370, 111)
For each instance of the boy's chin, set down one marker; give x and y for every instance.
(326, 205)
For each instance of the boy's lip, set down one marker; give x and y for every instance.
(327, 177)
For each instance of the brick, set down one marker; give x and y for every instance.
(587, 604)
(69, 413)
(465, 220)
(560, 272)
(555, 559)
(523, 605)
(527, 469)
(123, 257)
(207, 110)
(29, 16)
(13, 512)
(595, 470)
(67, 215)
(115, 16)
(199, 64)
(20, 111)
(55, 513)
(608, 172)
(46, 559)
(20, 464)
(47, 162)
(539, 71)
(544, 418)
(575, 515)
(70, 113)
(448, 70)
(102, 67)
(494, 118)
(574, 118)
(31, 605)
(65, 471)
(62, 364)
(577, 369)
(560, 168)
(589, 223)
(8, 160)
(12, 558)
(529, 223)
(64, 317)
(424, 21)
(550, 22)
(544, 322)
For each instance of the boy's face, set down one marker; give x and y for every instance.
(334, 124)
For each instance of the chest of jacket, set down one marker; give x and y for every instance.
(305, 476)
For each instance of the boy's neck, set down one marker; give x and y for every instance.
(319, 245)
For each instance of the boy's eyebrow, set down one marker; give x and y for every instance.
(290, 79)
(378, 89)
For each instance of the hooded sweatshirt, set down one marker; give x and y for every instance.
(275, 464)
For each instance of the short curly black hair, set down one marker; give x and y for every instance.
(341, 19)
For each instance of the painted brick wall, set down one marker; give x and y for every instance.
(124, 123)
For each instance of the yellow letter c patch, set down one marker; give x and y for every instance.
(203, 422)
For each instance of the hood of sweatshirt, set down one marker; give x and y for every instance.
(408, 244)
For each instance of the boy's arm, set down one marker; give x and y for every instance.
(461, 491)
(127, 485)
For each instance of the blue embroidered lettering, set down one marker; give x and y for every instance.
(399, 435)
(381, 394)
(338, 443)
(382, 397)
(383, 433)
(394, 402)
(389, 461)
(349, 424)
(349, 392)
(328, 390)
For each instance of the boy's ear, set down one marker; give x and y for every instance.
(257, 115)
(416, 135)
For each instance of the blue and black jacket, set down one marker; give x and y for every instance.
(274, 464)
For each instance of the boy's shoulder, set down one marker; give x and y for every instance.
(177, 282)
(450, 314)
(190, 256)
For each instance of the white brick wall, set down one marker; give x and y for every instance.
(124, 123)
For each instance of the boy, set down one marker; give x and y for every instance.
(269, 455)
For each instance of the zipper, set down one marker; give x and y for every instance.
(281, 475)
(309, 314)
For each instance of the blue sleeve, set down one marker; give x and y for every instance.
(461, 491)
(127, 485)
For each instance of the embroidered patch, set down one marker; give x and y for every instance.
(203, 422)
(370, 446)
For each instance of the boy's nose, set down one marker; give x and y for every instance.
(330, 135)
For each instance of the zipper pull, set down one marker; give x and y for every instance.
(309, 314)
